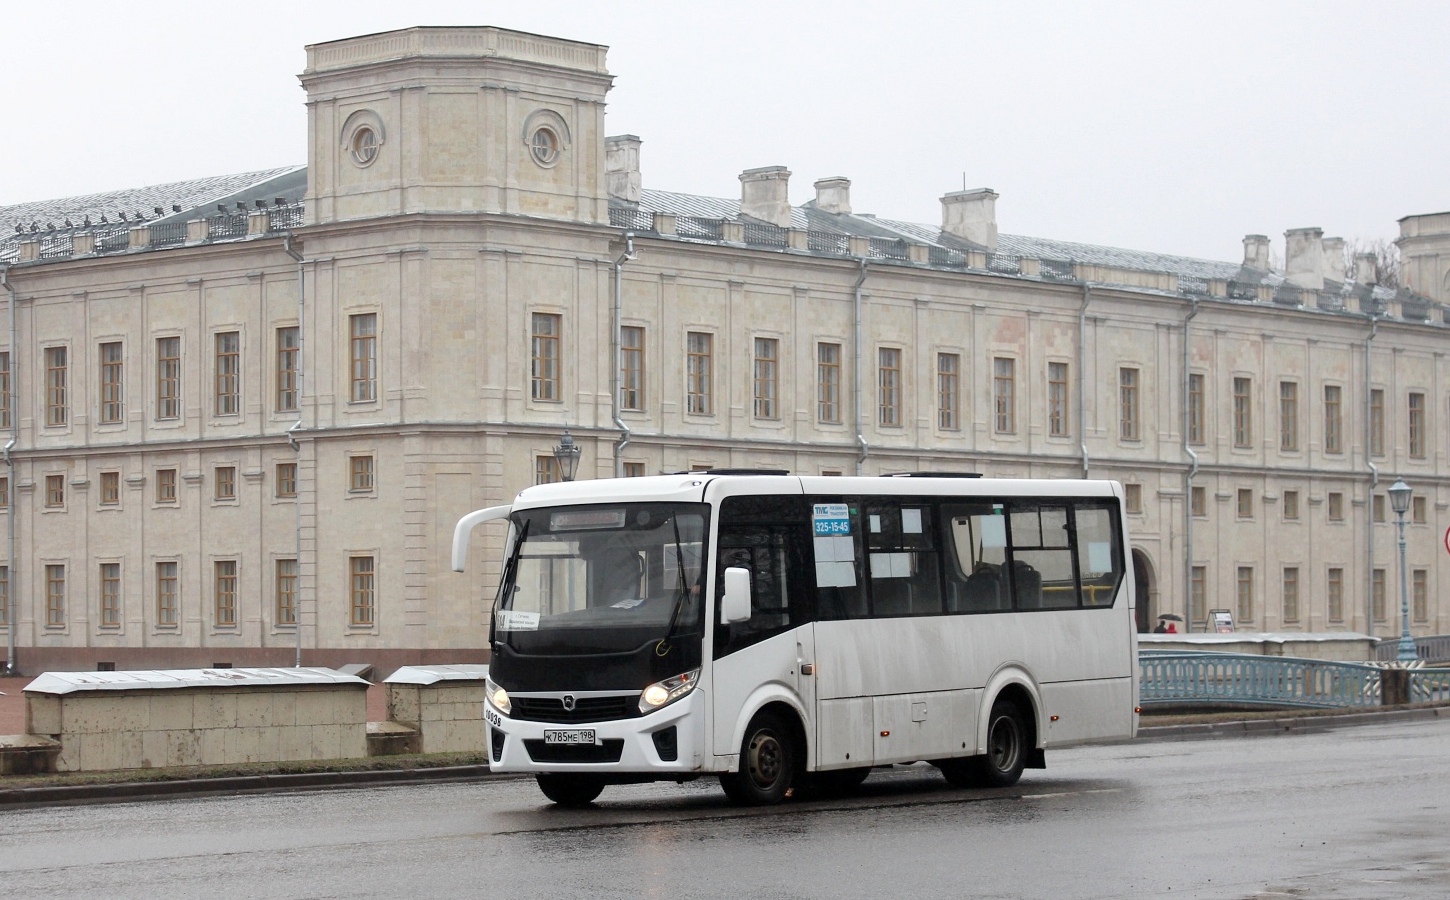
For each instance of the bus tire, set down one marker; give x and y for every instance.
(572, 791)
(769, 759)
(1006, 754)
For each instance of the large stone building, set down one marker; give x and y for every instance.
(240, 402)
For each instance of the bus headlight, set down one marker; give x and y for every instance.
(498, 697)
(668, 691)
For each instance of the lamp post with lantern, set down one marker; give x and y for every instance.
(1400, 501)
(567, 455)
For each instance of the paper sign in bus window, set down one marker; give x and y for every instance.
(994, 531)
(1100, 557)
(911, 521)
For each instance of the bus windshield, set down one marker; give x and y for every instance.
(606, 578)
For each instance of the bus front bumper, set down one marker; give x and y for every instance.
(665, 743)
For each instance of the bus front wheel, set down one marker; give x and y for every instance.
(571, 790)
(1002, 764)
(768, 763)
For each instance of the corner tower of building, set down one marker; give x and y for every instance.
(456, 120)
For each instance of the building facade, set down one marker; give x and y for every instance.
(246, 416)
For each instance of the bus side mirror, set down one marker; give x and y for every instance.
(735, 604)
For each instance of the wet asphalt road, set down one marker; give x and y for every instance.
(1362, 812)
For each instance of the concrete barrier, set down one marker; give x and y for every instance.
(196, 717)
(1331, 646)
(444, 704)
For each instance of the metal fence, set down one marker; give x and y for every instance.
(1435, 648)
(112, 240)
(698, 227)
(631, 219)
(764, 234)
(168, 234)
(281, 218)
(57, 246)
(227, 225)
(1179, 677)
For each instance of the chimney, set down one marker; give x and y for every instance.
(1304, 257)
(971, 215)
(1334, 259)
(621, 167)
(764, 195)
(1365, 265)
(1256, 252)
(833, 195)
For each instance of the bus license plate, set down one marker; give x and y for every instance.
(569, 736)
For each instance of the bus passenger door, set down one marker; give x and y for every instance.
(765, 653)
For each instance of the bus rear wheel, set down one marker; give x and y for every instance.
(572, 791)
(1002, 764)
(768, 763)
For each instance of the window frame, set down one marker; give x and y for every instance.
(287, 360)
(1130, 426)
(1288, 416)
(765, 380)
(631, 368)
(1058, 407)
(227, 374)
(361, 473)
(284, 588)
(546, 341)
(948, 391)
(167, 598)
(699, 373)
(1004, 395)
(1333, 418)
(112, 373)
(828, 383)
(282, 478)
(168, 377)
(1243, 413)
(1417, 422)
(1196, 432)
(109, 493)
(57, 385)
(109, 597)
(226, 579)
(888, 387)
(362, 591)
(362, 331)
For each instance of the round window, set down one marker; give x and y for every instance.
(544, 145)
(364, 146)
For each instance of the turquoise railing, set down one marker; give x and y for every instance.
(1178, 677)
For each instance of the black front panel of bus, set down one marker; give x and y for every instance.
(634, 671)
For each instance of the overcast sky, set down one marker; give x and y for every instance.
(1174, 127)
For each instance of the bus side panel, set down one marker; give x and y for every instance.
(741, 679)
(1088, 710)
(924, 726)
(846, 728)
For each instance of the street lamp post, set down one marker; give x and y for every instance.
(567, 455)
(1400, 501)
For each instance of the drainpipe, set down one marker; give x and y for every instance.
(1188, 485)
(615, 381)
(297, 449)
(1374, 480)
(11, 667)
(1087, 296)
(856, 376)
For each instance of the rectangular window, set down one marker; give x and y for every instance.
(1417, 425)
(948, 391)
(1377, 422)
(1291, 505)
(289, 350)
(110, 488)
(5, 492)
(1004, 395)
(1335, 503)
(286, 603)
(698, 359)
(55, 596)
(57, 398)
(1377, 508)
(1243, 413)
(544, 333)
(224, 603)
(1246, 503)
(1291, 593)
(767, 378)
(546, 470)
(363, 356)
(168, 600)
(634, 470)
(1377, 595)
(286, 480)
(1133, 497)
(1420, 594)
(1336, 594)
(1198, 501)
(1195, 409)
(113, 405)
(54, 491)
(1417, 510)
(1288, 415)
(1244, 593)
(1198, 593)
(631, 367)
(360, 473)
(1057, 399)
(363, 593)
(1128, 414)
(110, 595)
(1333, 419)
(5, 595)
(225, 483)
(828, 383)
(5, 389)
(168, 378)
(228, 373)
(888, 386)
(165, 485)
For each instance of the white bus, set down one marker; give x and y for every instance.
(789, 632)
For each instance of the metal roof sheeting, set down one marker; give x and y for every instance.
(435, 674)
(72, 682)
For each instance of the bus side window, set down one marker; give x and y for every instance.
(1098, 555)
(904, 564)
(976, 579)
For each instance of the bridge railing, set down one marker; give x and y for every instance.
(1189, 676)
(1433, 648)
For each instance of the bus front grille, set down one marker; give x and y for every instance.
(607, 752)
(586, 709)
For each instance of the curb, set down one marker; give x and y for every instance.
(75, 793)
(1288, 724)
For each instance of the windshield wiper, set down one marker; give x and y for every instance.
(663, 647)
